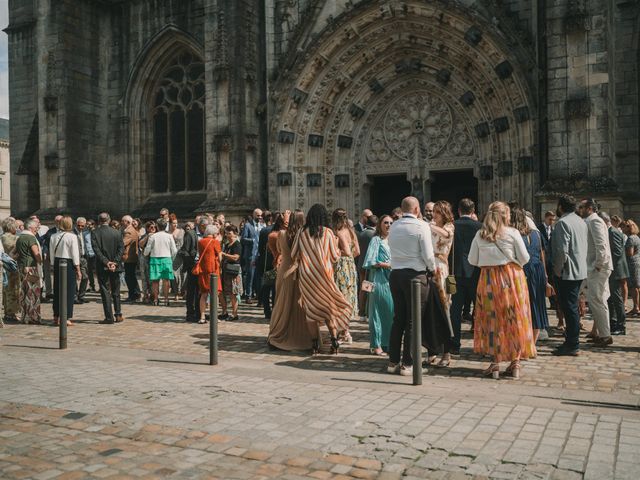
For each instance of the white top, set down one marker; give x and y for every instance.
(510, 248)
(410, 244)
(64, 245)
(160, 245)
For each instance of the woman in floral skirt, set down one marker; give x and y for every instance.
(502, 327)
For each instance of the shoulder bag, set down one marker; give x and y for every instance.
(450, 281)
(269, 276)
(231, 269)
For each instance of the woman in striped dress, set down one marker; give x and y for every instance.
(315, 249)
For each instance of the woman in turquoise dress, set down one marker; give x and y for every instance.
(380, 303)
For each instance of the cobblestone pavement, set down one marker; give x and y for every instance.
(136, 400)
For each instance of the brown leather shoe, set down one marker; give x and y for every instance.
(602, 342)
(119, 319)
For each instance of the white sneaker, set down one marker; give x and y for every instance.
(405, 370)
(393, 368)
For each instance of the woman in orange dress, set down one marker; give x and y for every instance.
(316, 250)
(209, 260)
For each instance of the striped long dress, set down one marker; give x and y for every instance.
(320, 298)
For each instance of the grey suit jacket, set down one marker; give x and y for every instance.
(620, 266)
(569, 247)
(598, 251)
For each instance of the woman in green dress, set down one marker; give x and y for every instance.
(380, 303)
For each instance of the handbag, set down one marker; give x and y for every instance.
(367, 286)
(450, 281)
(231, 269)
(8, 263)
(269, 276)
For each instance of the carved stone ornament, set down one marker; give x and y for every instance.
(504, 169)
(526, 164)
(467, 98)
(342, 180)
(286, 137)
(486, 172)
(316, 140)
(51, 161)
(473, 35)
(314, 180)
(504, 70)
(285, 179)
(345, 141)
(521, 114)
(415, 128)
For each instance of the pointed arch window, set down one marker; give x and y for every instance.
(178, 127)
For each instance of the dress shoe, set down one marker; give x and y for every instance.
(107, 322)
(602, 342)
(621, 331)
(454, 351)
(119, 319)
(566, 352)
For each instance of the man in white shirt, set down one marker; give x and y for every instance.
(411, 257)
(599, 267)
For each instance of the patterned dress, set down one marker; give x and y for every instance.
(634, 260)
(380, 304)
(441, 248)
(346, 278)
(11, 293)
(30, 280)
(320, 298)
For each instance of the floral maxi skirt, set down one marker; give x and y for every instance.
(502, 325)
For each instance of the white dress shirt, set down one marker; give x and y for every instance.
(410, 245)
(508, 248)
(161, 245)
(64, 245)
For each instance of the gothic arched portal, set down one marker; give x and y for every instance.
(414, 89)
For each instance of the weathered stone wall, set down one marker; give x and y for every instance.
(79, 70)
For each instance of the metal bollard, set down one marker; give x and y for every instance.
(62, 302)
(416, 331)
(213, 319)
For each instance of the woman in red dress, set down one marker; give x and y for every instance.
(209, 261)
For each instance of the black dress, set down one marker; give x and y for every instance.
(536, 281)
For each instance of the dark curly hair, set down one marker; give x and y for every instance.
(317, 220)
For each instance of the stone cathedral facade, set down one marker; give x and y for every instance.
(208, 105)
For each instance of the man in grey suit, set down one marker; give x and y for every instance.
(599, 267)
(618, 278)
(569, 248)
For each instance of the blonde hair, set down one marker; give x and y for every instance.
(632, 227)
(66, 223)
(496, 219)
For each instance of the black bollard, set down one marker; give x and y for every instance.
(213, 320)
(416, 331)
(62, 301)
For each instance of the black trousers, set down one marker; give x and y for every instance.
(569, 291)
(192, 298)
(131, 280)
(400, 338)
(70, 273)
(465, 294)
(267, 298)
(110, 293)
(617, 318)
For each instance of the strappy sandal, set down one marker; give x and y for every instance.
(444, 361)
(513, 369)
(493, 371)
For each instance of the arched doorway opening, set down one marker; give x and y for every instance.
(387, 191)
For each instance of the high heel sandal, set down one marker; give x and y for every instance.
(445, 360)
(493, 371)
(315, 346)
(335, 346)
(514, 369)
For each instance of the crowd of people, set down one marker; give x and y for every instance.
(320, 269)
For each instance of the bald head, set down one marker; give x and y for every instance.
(410, 205)
(366, 213)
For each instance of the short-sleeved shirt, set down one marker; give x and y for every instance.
(234, 249)
(23, 248)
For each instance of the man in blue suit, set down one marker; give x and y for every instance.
(249, 240)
